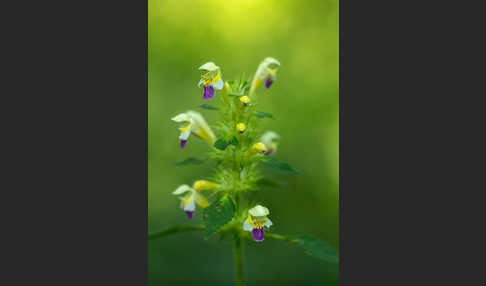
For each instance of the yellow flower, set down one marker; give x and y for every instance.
(194, 123)
(241, 127)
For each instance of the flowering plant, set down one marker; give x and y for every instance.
(239, 150)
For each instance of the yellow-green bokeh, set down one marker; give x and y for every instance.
(237, 35)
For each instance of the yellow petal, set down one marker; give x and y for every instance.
(216, 78)
(187, 200)
(185, 129)
(201, 200)
(202, 185)
(250, 221)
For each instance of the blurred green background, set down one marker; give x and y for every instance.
(237, 35)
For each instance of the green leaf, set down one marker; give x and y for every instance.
(245, 86)
(264, 182)
(221, 144)
(235, 95)
(190, 161)
(234, 141)
(261, 114)
(278, 166)
(317, 248)
(218, 214)
(208, 106)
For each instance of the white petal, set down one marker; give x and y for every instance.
(190, 207)
(183, 117)
(268, 223)
(182, 189)
(269, 61)
(185, 135)
(219, 85)
(247, 226)
(268, 137)
(259, 211)
(200, 82)
(262, 70)
(209, 66)
(200, 125)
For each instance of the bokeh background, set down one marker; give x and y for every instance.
(237, 35)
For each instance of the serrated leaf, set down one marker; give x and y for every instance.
(278, 166)
(190, 161)
(221, 144)
(218, 214)
(261, 114)
(234, 141)
(317, 248)
(208, 106)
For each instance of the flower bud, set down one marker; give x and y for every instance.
(259, 147)
(241, 127)
(202, 185)
(245, 100)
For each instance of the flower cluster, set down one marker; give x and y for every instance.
(236, 148)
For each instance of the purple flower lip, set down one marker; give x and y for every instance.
(208, 92)
(258, 234)
(190, 214)
(268, 82)
(183, 143)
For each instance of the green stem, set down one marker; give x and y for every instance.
(175, 229)
(238, 256)
(281, 237)
(253, 86)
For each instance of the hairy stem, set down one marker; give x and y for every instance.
(238, 256)
(175, 229)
